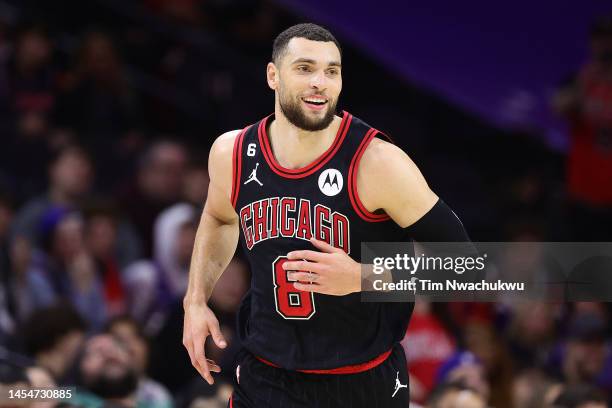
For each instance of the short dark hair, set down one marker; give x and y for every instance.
(306, 30)
(130, 321)
(44, 328)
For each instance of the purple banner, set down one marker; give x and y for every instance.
(499, 60)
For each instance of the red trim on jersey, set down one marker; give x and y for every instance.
(351, 369)
(231, 401)
(358, 206)
(266, 148)
(237, 166)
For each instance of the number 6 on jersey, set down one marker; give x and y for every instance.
(291, 303)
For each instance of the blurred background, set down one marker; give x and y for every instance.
(108, 109)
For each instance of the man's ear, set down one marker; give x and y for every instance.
(272, 75)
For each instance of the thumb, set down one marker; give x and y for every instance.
(216, 334)
(323, 246)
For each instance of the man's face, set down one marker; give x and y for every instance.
(135, 345)
(107, 368)
(586, 357)
(72, 174)
(307, 80)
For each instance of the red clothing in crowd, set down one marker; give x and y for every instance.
(590, 156)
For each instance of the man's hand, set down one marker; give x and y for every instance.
(200, 322)
(330, 272)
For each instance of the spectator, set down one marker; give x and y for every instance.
(158, 184)
(586, 103)
(195, 183)
(70, 268)
(99, 106)
(70, 178)
(107, 371)
(465, 368)
(490, 348)
(585, 356)
(530, 388)
(149, 393)
(26, 288)
(161, 282)
(53, 337)
(455, 395)
(33, 77)
(101, 229)
(531, 332)
(427, 345)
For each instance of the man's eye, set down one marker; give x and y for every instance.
(303, 68)
(333, 72)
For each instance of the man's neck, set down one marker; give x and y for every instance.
(295, 148)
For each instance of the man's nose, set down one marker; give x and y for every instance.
(318, 80)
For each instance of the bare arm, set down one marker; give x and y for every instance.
(217, 234)
(388, 179)
(215, 244)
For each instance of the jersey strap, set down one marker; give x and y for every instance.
(358, 206)
(237, 165)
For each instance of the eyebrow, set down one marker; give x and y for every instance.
(311, 61)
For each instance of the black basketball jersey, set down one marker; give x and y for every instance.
(279, 210)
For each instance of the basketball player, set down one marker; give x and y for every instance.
(301, 189)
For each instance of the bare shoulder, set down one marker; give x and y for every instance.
(388, 179)
(218, 203)
(224, 145)
(383, 160)
(220, 156)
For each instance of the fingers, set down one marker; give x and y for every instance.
(303, 276)
(215, 331)
(309, 287)
(324, 246)
(201, 360)
(188, 343)
(307, 255)
(303, 266)
(194, 338)
(213, 366)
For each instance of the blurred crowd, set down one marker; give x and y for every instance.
(103, 176)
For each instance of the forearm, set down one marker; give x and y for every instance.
(214, 247)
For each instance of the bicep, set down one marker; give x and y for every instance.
(391, 181)
(218, 201)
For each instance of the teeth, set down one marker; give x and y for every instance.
(314, 100)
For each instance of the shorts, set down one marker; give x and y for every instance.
(259, 385)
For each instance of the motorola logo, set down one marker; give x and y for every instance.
(330, 182)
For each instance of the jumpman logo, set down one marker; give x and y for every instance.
(398, 385)
(253, 176)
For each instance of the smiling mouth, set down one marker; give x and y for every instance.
(314, 101)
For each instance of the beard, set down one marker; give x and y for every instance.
(294, 112)
(107, 387)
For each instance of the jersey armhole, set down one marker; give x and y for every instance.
(237, 166)
(356, 203)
